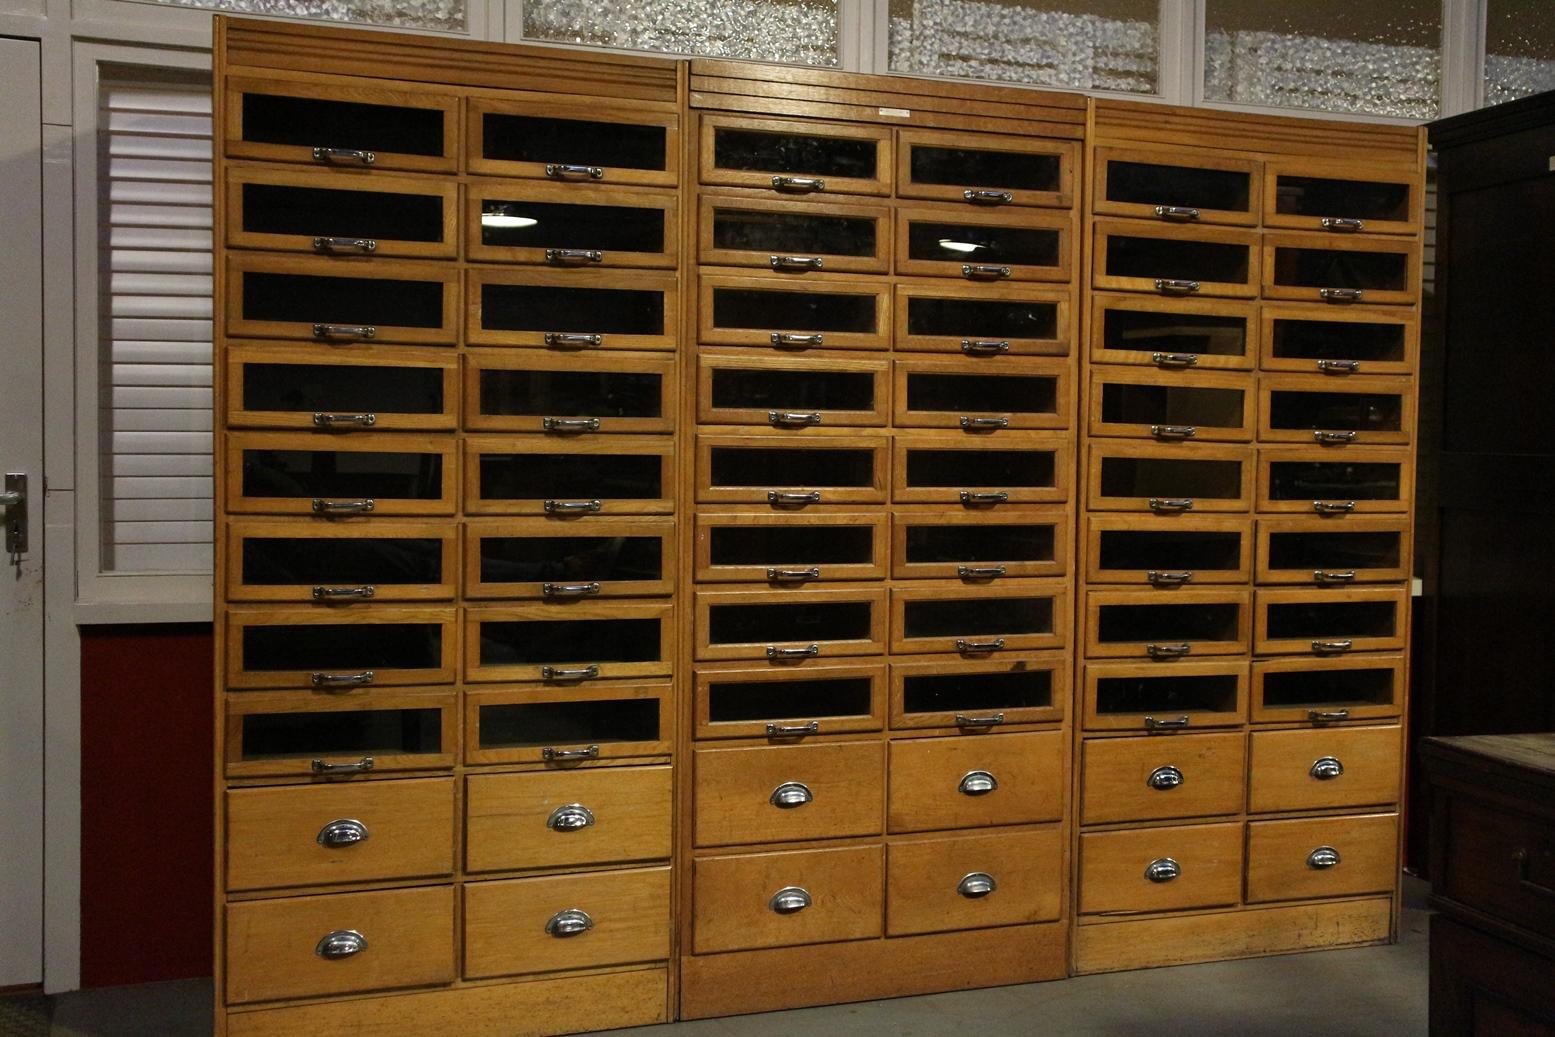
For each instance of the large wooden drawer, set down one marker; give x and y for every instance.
(1158, 777)
(349, 387)
(787, 899)
(1324, 768)
(1327, 691)
(972, 882)
(340, 731)
(571, 309)
(560, 225)
(1343, 199)
(566, 641)
(339, 646)
(1498, 861)
(740, 700)
(778, 312)
(788, 793)
(742, 229)
(985, 170)
(586, 145)
(1321, 857)
(1160, 869)
(341, 213)
(563, 725)
(976, 780)
(374, 559)
(335, 299)
(978, 545)
(1141, 696)
(985, 323)
(1178, 335)
(985, 246)
(794, 157)
(1195, 550)
(974, 619)
(360, 473)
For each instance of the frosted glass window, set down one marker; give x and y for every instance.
(1078, 44)
(799, 32)
(1326, 55)
(1519, 49)
(441, 15)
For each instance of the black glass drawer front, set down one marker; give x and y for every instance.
(1205, 693)
(977, 616)
(1333, 268)
(1149, 183)
(1340, 411)
(927, 545)
(1295, 339)
(354, 474)
(759, 389)
(978, 393)
(594, 394)
(761, 309)
(771, 545)
(742, 701)
(372, 301)
(599, 311)
(542, 641)
(1150, 549)
(1196, 334)
(762, 151)
(326, 647)
(536, 476)
(366, 732)
(1329, 688)
(511, 223)
(343, 388)
(947, 242)
(1199, 621)
(579, 142)
(974, 167)
(1126, 404)
(812, 622)
(316, 122)
(1170, 477)
(982, 318)
(1175, 258)
(571, 559)
(1319, 197)
(952, 468)
(1334, 480)
(748, 230)
(792, 466)
(280, 561)
(977, 692)
(1336, 551)
(1331, 619)
(516, 725)
(331, 212)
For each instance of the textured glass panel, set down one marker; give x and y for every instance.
(801, 32)
(442, 15)
(1519, 49)
(1079, 44)
(1328, 55)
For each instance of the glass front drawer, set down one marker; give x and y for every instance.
(617, 475)
(1331, 621)
(1317, 408)
(1352, 340)
(567, 642)
(1172, 334)
(336, 300)
(789, 629)
(1166, 481)
(738, 230)
(352, 387)
(1344, 200)
(304, 473)
(561, 726)
(790, 550)
(990, 323)
(1327, 691)
(734, 701)
(1170, 407)
(978, 545)
(572, 310)
(579, 145)
(1143, 696)
(1161, 186)
(983, 169)
(795, 157)
(529, 391)
(1175, 261)
(285, 734)
(971, 395)
(1029, 468)
(1189, 549)
(560, 560)
(789, 315)
(334, 213)
(775, 469)
(1166, 627)
(985, 246)
(560, 225)
(347, 560)
(976, 620)
(1318, 550)
(335, 648)
(1323, 268)
(975, 694)
(1310, 480)
(791, 391)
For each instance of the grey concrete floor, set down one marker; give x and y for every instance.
(1370, 992)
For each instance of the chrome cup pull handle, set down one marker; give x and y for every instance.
(343, 593)
(791, 795)
(1327, 716)
(339, 246)
(1175, 651)
(799, 184)
(562, 507)
(1333, 576)
(1168, 504)
(775, 652)
(1174, 359)
(975, 885)
(332, 419)
(1176, 286)
(1162, 869)
(810, 727)
(572, 340)
(568, 590)
(573, 256)
(1164, 779)
(782, 418)
(991, 720)
(984, 271)
(1341, 294)
(1332, 647)
(984, 496)
(341, 680)
(341, 833)
(588, 752)
(570, 424)
(357, 155)
(1328, 438)
(572, 922)
(977, 783)
(1168, 723)
(794, 340)
(966, 647)
(570, 817)
(1174, 431)
(361, 766)
(568, 171)
(985, 196)
(793, 497)
(565, 673)
(794, 575)
(1322, 858)
(969, 421)
(800, 263)
(984, 346)
(1162, 578)
(1342, 223)
(1333, 507)
(1326, 768)
(789, 900)
(345, 331)
(1339, 366)
(322, 506)
(341, 943)
(980, 572)
(1177, 212)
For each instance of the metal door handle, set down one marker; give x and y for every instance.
(987, 197)
(568, 590)
(350, 331)
(1176, 212)
(793, 417)
(1333, 437)
(1332, 507)
(1164, 779)
(13, 501)
(991, 720)
(590, 752)
(1173, 431)
(984, 271)
(1162, 869)
(554, 507)
(570, 817)
(796, 262)
(335, 246)
(1339, 366)
(1174, 359)
(974, 422)
(361, 766)
(774, 652)
(1323, 857)
(562, 673)
(802, 184)
(1170, 724)
(1176, 651)
(794, 340)
(1175, 286)
(976, 884)
(794, 575)
(337, 507)
(984, 346)
(332, 419)
(570, 424)
(977, 783)
(782, 497)
(980, 572)
(1170, 503)
(790, 899)
(572, 922)
(984, 496)
(1327, 716)
(1326, 768)
(573, 256)
(340, 593)
(572, 340)
(565, 171)
(810, 727)
(1341, 294)
(791, 795)
(1159, 578)
(1332, 647)
(341, 680)
(975, 647)
(1333, 575)
(343, 832)
(1345, 223)
(366, 158)
(342, 943)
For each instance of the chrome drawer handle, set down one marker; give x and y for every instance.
(1332, 647)
(341, 680)
(1332, 437)
(1164, 779)
(1175, 286)
(976, 885)
(793, 497)
(1333, 575)
(347, 331)
(1176, 212)
(796, 262)
(978, 647)
(977, 783)
(331, 419)
(338, 507)
(573, 256)
(1162, 869)
(968, 421)
(984, 496)
(1167, 724)
(361, 766)
(1176, 651)
(800, 184)
(1346, 223)
(810, 727)
(568, 590)
(1174, 359)
(570, 817)
(565, 171)
(342, 593)
(1162, 578)
(991, 720)
(791, 795)
(793, 417)
(1339, 366)
(336, 246)
(342, 943)
(570, 424)
(1333, 507)
(1164, 504)
(794, 340)
(774, 652)
(1327, 716)
(988, 197)
(365, 158)
(980, 572)
(572, 922)
(1323, 857)
(794, 575)
(572, 340)
(984, 346)
(344, 832)
(1341, 294)
(588, 752)
(1173, 431)
(563, 673)
(1326, 768)
(561, 507)
(984, 271)
(790, 899)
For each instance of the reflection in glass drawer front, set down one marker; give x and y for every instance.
(1345, 269)
(572, 475)
(951, 242)
(518, 725)
(1172, 407)
(1121, 624)
(985, 167)
(1334, 480)
(1340, 198)
(1337, 346)
(1196, 552)
(1170, 478)
(973, 394)
(1304, 620)
(806, 544)
(805, 233)
(928, 467)
(513, 223)
(1365, 413)
(983, 542)
(1329, 689)
(1153, 693)
(735, 701)
(1336, 551)
(761, 151)
(791, 466)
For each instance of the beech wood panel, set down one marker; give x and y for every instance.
(924, 881)
(1284, 772)
(1117, 777)
(732, 912)
(1279, 857)
(1113, 864)
(736, 789)
(930, 787)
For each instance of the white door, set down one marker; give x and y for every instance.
(21, 571)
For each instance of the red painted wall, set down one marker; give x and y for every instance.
(146, 813)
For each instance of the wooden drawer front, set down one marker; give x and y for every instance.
(554, 475)
(787, 793)
(1171, 407)
(786, 472)
(791, 392)
(735, 701)
(557, 560)
(790, 550)
(289, 122)
(1173, 334)
(572, 310)
(1167, 481)
(1324, 769)
(1152, 778)
(323, 733)
(1498, 861)
(758, 624)
(1331, 621)
(1189, 549)
(571, 640)
(780, 312)
(366, 831)
(795, 158)
(1334, 412)
(539, 392)
(973, 694)
(773, 233)
(1161, 186)
(562, 725)
(303, 473)
(752, 901)
(972, 882)
(974, 781)
(992, 322)
(331, 299)
(352, 387)
(1204, 863)
(984, 169)
(978, 397)
(1309, 480)
(972, 619)
(985, 246)
(1339, 341)
(380, 560)
(979, 544)
(1141, 696)
(563, 225)
(1343, 200)
(1289, 860)
(1324, 268)
(274, 946)
(1323, 691)
(1165, 627)
(322, 647)
(930, 468)
(342, 213)
(1322, 551)
(580, 146)
(585, 816)
(566, 922)
(1175, 261)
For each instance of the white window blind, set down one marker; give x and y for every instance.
(154, 201)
